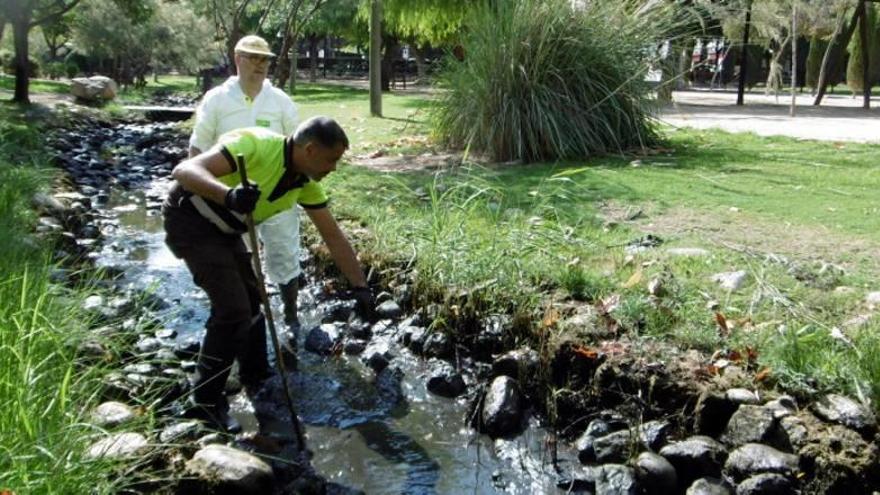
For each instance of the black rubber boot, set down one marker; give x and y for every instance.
(215, 363)
(289, 296)
(252, 355)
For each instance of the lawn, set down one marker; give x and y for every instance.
(535, 241)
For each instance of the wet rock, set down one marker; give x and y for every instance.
(581, 479)
(655, 474)
(742, 396)
(445, 381)
(713, 411)
(709, 486)
(93, 303)
(654, 434)
(148, 345)
(118, 446)
(353, 347)
(613, 447)
(340, 310)
(489, 341)
(139, 368)
(755, 458)
(222, 469)
(414, 338)
(731, 281)
(49, 205)
(614, 479)
(187, 349)
(843, 410)
(182, 432)
(502, 412)
(377, 356)
(116, 388)
(389, 310)
(188, 366)
(437, 344)
(92, 350)
(166, 333)
(111, 414)
(518, 364)
(695, 457)
(751, 424)
(321, 340)
(360, 330)
(211, 439)
(782, 406)
(765, 484)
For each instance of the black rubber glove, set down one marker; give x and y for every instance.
(242, 199)
(365, 306)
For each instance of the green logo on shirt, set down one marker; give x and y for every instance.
(262, 123)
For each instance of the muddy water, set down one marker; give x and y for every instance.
(365, 434)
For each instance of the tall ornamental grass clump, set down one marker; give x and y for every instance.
(43, 391)
(543, 80)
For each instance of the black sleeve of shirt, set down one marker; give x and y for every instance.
(226, 154)
(315, 207)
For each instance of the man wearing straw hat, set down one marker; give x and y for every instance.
(249, 100)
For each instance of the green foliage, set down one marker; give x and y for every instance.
(814, 60)
(44, 391)
(855, 66)
(542, 81)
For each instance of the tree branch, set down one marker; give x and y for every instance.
(63, 9)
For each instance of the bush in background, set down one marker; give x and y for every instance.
(543, 80)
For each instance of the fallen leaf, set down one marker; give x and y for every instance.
(634, 279)
(376, 154)
(587, 352)
(723, 329)
(608, 304)
(762, 375)
(734, 356)
(551, 316)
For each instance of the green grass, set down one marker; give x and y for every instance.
(517, 238)
(36, 85)
(45, 393)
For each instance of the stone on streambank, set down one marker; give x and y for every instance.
(502, 412)
(111, 414)
(322, 339)
(222, 469)
(655, 474)
(765, 484)
(843, 410)
(118, 446)
(709, 486)
(695, 457)
(445, 381)
(754, 458)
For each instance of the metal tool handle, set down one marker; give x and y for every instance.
(267, 309)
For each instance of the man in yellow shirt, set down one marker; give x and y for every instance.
(204, 219)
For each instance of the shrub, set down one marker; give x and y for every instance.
(542, 80)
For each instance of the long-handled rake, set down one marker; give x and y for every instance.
(264, 297)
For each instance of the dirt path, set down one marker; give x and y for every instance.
(840, 118)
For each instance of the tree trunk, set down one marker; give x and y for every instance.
(376, 58)
(22, 67)
(744, 58)
(829, 63)
(421, 69)
(391, 44)
(793, 59)
(866, 65)
(313, 58)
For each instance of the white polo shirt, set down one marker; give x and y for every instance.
(226, 108)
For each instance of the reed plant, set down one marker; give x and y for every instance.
(44, 391)
(545, 79)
